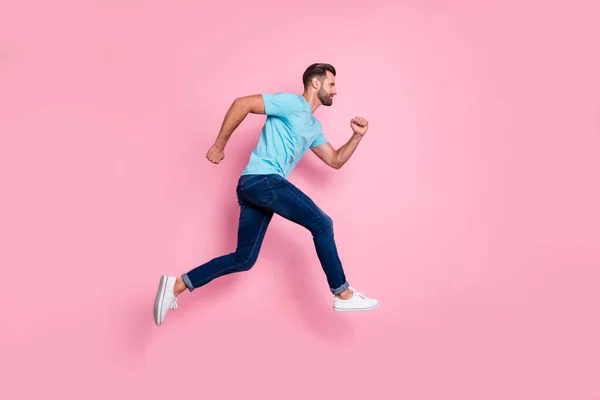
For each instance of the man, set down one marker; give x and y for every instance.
(263, 190)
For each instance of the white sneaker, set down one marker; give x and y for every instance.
(358, 302)
(165, 298)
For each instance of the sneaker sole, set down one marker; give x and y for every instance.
(356, 309)
(158, 301)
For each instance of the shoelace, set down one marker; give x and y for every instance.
(361, 294)
(173, 304)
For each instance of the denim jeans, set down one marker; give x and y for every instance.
(259, 197)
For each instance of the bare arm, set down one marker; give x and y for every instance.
(336, 158)
(239, 110)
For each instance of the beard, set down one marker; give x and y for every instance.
(324, 97)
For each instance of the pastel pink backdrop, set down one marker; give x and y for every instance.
(470, 209)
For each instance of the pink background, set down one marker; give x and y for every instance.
(470, 209)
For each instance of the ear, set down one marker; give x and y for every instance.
(315, 83)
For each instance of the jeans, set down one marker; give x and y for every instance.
(259, 197)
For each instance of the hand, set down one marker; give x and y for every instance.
(359, 125)
(215, 154)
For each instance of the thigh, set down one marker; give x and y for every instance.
(252, 226)
(293, 204)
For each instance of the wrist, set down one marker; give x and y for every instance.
(219, 145)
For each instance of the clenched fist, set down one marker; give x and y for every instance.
(215, 154)
(359, 125)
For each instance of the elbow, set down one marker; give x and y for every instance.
(335, 164)
(239, 104)
(249, 104)
(242, 106)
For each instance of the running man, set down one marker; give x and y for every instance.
(263, 189)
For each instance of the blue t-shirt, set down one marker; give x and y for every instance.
(290, 130)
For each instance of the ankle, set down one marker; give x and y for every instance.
(179, 286)
(345, 295)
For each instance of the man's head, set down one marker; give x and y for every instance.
(320, 78)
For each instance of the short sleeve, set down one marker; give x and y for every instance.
(319, 140)
(280, 104)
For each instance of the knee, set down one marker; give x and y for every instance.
(325, 224)
(246, 266)
(244, 261)
(328, 222)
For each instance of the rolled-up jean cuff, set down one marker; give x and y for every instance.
(187, 282)
(339, 290)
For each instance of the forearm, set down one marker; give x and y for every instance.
(233, 118)
(343, 154)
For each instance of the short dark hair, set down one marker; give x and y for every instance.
(316, 70)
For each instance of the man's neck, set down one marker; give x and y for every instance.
(312, 100)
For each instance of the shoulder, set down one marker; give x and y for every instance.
(317, 123)
(282, 103)
(283, 97)
(288, 95)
